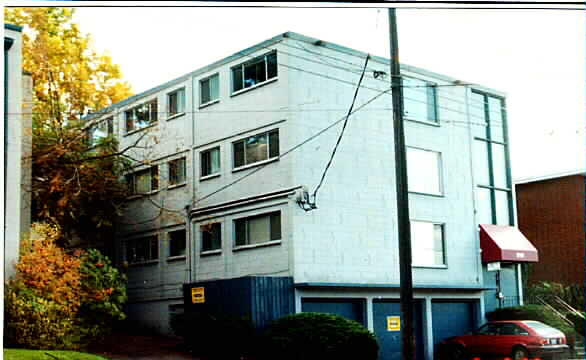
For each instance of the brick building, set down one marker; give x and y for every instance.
(551, 213)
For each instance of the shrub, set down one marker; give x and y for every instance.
(104, 294)
(43, 299)
(311, 336)
(579, 323)
(205, 335)
(571, 294)
(59, 300)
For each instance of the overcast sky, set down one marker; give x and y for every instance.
(537, 57)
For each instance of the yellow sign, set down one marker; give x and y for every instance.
(393, 323)
(198, 295)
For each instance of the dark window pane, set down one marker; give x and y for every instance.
(250, 75)
(129, 120)
(130, 183)
(154, 253)
(154, 178)
(261, 74)
(240, 232)
(205, 163)
(177, 243)
(271, 65)
(274, 143)
(237, 78)
(172, 104)
(205, 91)
(256, 148)
(211, 237)
(110, 125)
(276, 226)
(239, 154)
(154, 112)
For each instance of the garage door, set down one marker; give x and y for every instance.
(386, 329)
(452, 318)
(352, 309)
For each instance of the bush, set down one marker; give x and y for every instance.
(311, 336)
(533, 312)
(205, 335)
(571, 294)
(104, 290)
(59, 300)
(579, 323)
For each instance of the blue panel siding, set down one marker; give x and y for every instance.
(509, 288)
(351, 309)
(452, 318)
(390, 341)
(262, 299)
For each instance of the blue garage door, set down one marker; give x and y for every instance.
(452, 318)
(352, 309)
(389, 340)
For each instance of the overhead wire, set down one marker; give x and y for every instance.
(313, 204)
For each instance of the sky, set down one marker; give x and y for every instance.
(537, 57)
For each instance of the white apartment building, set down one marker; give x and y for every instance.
(232, 153)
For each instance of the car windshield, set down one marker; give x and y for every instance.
(542, 329)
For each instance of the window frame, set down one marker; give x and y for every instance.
(201, 161)
(109, 124)
(183, 103)
(242, 68)
(487, 141)
(269, 158)
(440, 180)
(170, 256)
(154, 176)
(429, 85)
(155, 244)
(152, 103)
(442, 226)
(182, 177)
(214, 226)
(247, 244)
(209, 79)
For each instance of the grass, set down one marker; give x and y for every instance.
(21, 354)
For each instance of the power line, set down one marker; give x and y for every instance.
(314, 195)
(319, 133)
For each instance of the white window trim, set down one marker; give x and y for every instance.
(261, 162)
(436, 105)
(444, 244)
(133, 107)
(440, 172)
(211, 102)
(181, 113)
(133, 174)
(212, 251)
(184, 182)
(267, 81)
(210, 176)
(256, 245)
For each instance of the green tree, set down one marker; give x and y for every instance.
(75, 183)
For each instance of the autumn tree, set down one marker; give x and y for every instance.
(74, 181)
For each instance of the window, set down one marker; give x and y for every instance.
(211, 237)
(177, 243)
(209, 89)
(142, 249)
(144, 181)
(254, 72)
(424, 171)
(491, 163)
(210, 162)
(256, 148)
(427, 244)
(177, 174)
(176, 102)
(101, 130)
(419, 100)
(258, 229)
(141, 116)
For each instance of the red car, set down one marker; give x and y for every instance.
(515, 340)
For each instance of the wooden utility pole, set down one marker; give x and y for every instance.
(406, 280)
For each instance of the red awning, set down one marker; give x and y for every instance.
(505, 243)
